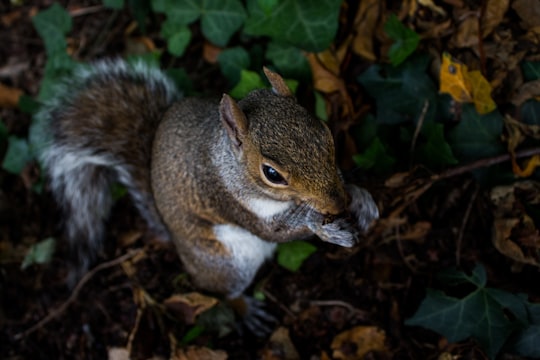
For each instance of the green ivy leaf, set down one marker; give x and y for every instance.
(3, 132)
(296, 22)
(249, 81)
(402, 92)
(477, 136)
(292, 255)
(435, 151)
(114, 4)
(221, 19)
(289, 61)
(232, 61)
(530, 112)
(375, 157)
(267, 5)
(526, 343)
(177, 35)
(531, 70)
(405, 40)
(18, 154)
(52, 25)
(477, 315)
(320, 106)
(480, 314)
(40, 253)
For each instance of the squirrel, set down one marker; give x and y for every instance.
(224, 180)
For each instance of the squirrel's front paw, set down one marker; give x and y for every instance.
(362, 206)
(339, 232)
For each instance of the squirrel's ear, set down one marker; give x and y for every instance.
(233, 119)
(278, 84)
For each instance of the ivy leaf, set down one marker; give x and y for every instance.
(52, 25)
(405, 40)
(249, 81)
(531, 70)
(477, 136)
(18, 154)
(375, 157)
(480, 314)
(114, 4)
(296, 22)
(402, 92)
(221, 19)
(530, 112)
(526, 343)
(40, 253)
(232, 61)
(436, 151)
(289, 60)
(293, 254)
(177, 35)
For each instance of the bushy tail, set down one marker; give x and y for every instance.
(99, 128)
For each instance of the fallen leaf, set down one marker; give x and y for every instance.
(365, 24)
(9, 97)
(467, 33)
(453, 79)
(188, 306)
(357, 342)
(481, 92)
(514, 232)
(493, 15)
(199, 353)
(280, 346)
(528, 11)
(211, 52)
(429, 4)
(465, 86)
(525, 92)
(530, 165)
(118, 354)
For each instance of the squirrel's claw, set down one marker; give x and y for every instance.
(254, 316)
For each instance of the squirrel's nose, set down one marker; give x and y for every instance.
(337, 202)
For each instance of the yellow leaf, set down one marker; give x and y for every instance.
(531, 165)
(465, 86)
(363, 339)
(454, 79)
(481, 92)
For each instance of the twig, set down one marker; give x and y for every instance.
(419, 127)
(86, 10)
(281, 306)
(484, 163)
(340, 303)
(59, 310)
(464, 224)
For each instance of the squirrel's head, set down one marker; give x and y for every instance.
(288, 154)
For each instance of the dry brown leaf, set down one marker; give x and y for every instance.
(357, 342)
(528, 11)
(493, 15)
(9, 97)
(467, 33)
(118, 354)
(514, 232)
(211, 52)
(188, 306)
(280, 346)
(199, 353)
(525, 92)
(365, 24)
(429, 4)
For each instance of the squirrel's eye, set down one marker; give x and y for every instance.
(273, 175)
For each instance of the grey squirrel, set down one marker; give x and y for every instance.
(224, 180)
